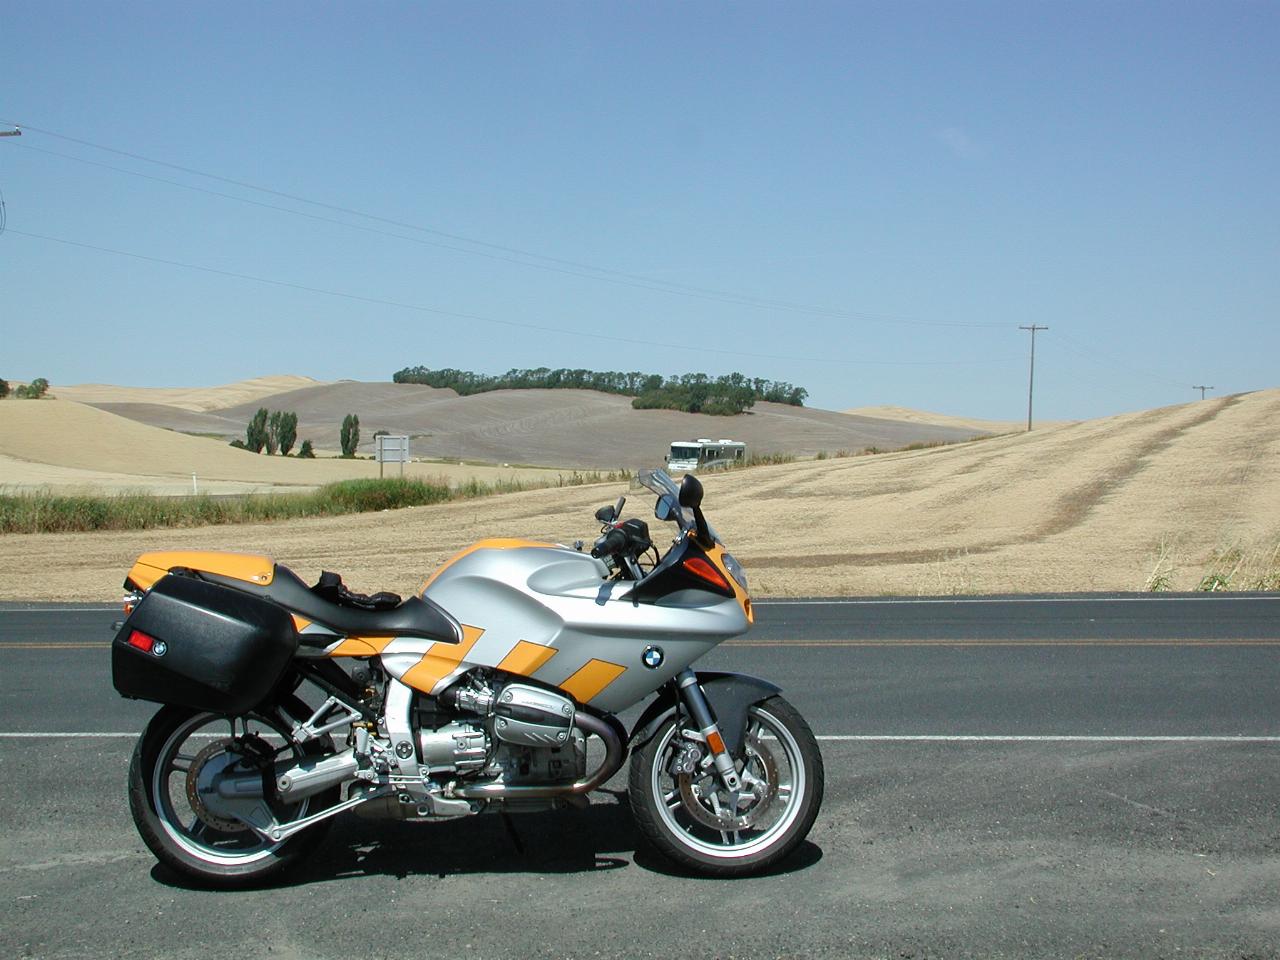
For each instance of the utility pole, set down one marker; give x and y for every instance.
(1031, 385)
(1202, 389)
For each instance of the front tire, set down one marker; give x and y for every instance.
(695, 822)
(213, 850)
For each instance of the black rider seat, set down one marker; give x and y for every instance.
(415, 617)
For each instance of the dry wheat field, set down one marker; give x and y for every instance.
(1158, 499)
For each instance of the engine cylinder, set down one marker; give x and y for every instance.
(532, 717)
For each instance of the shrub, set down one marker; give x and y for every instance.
(306, 452)
(34, 390)
(4, 389)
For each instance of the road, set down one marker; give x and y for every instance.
(1005, 777)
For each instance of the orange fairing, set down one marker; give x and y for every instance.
(716, 555)
(491, 544)
(591, 679)
(440, 660)
(249, 567)
(360, 646)
(525, 658)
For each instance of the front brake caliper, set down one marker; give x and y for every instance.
(686, 759)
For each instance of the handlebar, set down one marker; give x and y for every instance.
(623, 541)
(612, 543)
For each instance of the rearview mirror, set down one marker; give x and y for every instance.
(606, 514)
(691, 492)
(663, 510)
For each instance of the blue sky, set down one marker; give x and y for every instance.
(866, 199)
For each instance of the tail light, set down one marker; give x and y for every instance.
(142, 641)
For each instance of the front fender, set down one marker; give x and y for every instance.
(731, 695)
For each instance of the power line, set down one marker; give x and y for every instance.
(456, 315)
(1097, 357)
(1202, 389)
(555, 264)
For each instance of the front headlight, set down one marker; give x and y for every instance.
(736, 571)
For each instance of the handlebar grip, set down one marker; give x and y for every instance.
(613, 542)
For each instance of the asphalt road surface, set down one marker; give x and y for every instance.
(1016, 777)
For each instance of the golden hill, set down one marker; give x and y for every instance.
(60, 443)
(186, 398)
(1097, 505)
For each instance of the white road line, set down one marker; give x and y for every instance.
(1045, 739)
(831, 737)
(886, 601)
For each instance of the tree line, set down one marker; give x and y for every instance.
(691, 392)
(34, 390)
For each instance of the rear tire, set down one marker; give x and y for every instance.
(696, 823)
(200, 845)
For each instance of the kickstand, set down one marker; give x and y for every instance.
(511, 831)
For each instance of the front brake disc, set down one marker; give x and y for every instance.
(698, 804)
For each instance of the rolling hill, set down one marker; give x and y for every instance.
(1165, 497)
(552, 428)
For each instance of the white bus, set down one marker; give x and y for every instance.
(691, 455)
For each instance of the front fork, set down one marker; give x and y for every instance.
(695, 702)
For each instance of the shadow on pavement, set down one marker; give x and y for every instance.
(599, 837)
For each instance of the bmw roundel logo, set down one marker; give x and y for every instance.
(652, 657)
(160, 648)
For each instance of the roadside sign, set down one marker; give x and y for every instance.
(391, 449)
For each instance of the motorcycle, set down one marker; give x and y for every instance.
(285, 705)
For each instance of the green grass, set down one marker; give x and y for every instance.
(44, 512)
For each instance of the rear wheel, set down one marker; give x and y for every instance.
(699, 824)
(178, 753)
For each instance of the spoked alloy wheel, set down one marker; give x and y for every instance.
(695, 821)
(173, 766)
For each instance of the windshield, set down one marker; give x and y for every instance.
(668, 507)
(684, 453)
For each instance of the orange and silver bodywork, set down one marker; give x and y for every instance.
(550, 613)
(530, 609)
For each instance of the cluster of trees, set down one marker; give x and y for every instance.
(690, 392)
(277, 430)
(273, 431)
(34, 390)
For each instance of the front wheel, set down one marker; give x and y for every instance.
(178, 752)
(699, 824)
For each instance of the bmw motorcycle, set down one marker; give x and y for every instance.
(495, 689)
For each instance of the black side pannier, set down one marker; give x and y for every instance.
(202, 645)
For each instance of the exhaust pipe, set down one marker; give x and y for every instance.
(615, 753)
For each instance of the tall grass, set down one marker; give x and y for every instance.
(45, 512)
